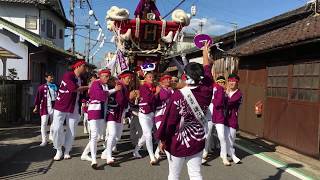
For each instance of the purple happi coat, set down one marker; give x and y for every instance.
(41, 100)
(147, 99)
(67, 94)
(219, 104)
(118, 103)
(162, 100)
(233, 105)
(182, 132)
(98, 94)
(149, 7)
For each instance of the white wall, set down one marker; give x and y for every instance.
(16, 13)
(46, 14)
(11, 43)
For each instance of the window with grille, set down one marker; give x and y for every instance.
(49, 28)
(54, 31)
(31, 22)
(60, 33)
(306, 82)
(43, 25)
(277, 81)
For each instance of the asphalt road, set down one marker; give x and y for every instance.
(36, 163)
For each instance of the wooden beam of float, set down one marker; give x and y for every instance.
(125, 25)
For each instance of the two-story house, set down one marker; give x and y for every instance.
(34, 30)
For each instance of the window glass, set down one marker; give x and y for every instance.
(31, 22)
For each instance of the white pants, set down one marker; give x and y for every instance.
(146, 122)
(230, 138)
(222, 135)
(114, 134)
(44, 122)
(85, 123)
(59, 139)
(157, 152)
(208, 137)
(96, 127)
(176, 165)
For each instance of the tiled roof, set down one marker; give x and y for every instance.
(245, 33)
(4, 53)
(20, 1)
(31, 37)
(300, 31)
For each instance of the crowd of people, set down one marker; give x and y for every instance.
(179, 113)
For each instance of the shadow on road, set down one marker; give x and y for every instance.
(257, 143)
(281, 170)
(19, 132)
(19, 167)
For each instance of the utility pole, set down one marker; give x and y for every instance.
(89, 39)
(201, 24)
(73, 29)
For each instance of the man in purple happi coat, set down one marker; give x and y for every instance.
(148, 93)
(117, 107)
(182, 134)
(161, 104)
(45, 98)
(97, 108)
(218, 119)
(234, 101)
(67, 107)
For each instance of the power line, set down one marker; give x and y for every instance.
(101, 37)
(182, 1)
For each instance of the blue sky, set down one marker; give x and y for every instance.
(217, 15)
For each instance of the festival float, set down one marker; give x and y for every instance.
(146, 39)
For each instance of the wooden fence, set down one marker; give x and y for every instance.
(15, 99)
(7, 103)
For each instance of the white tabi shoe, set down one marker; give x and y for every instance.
(236, 160)
(203, 161)
(67, 156)
(114, 149)
(110, 161)
(51, 137)
(157, 156)
(225, 162)
(94, 164)
(43, 144)
(136, 154)
(103, 156)
(86, 158)
(58, 155)
(205, 155)
(153, 161)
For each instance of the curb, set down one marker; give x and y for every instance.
(278, 164)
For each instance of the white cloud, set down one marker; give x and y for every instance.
(210, 26)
